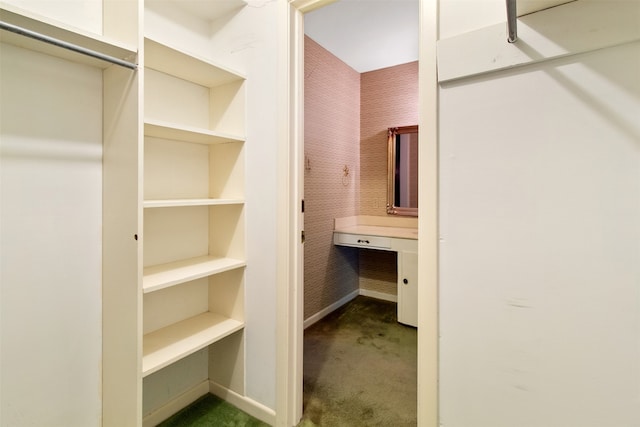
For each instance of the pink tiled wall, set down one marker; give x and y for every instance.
(331, 139)
(346, 119)
(388, 98)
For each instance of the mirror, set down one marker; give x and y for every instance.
(402, 171)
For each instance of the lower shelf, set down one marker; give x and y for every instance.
(170, 344)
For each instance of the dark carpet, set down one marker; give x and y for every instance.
(360, 368)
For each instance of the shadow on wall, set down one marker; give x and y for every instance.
(378, 270)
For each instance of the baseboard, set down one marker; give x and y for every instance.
(250, 406)
(325, 311)
(378, 295)
(176, 404)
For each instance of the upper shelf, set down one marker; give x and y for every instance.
(178, 132)
(84, 40)
(169, 60)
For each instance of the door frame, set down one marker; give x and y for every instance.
(290, 289)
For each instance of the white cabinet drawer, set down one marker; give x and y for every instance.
(362, 241)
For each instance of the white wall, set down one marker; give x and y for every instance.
(82, 14)
(252, 38)
(50, 241)
(540, 231)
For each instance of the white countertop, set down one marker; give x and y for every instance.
(368, 226)
(376, 230)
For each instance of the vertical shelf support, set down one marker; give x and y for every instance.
(512, 21)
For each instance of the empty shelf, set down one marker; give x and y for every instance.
(175, 62)
(173, 131)
(174, 342)
(169, 203)
(165, 275)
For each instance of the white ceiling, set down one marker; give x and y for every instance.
(367, 34)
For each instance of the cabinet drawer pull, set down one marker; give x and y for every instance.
(361, 240)
(405, 281)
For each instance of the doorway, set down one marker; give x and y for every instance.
(290, 321)
(360, 78)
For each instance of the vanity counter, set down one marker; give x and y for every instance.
(398, 235)
(380, 230)
(375, 231)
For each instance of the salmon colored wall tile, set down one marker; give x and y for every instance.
(331, 138)
(346, 119)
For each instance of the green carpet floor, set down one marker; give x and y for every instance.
(210, 411)
(360, 369)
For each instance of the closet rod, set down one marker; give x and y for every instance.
(66, 45)
(512, 21)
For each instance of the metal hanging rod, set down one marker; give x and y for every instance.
(512, 21)
(69, 46)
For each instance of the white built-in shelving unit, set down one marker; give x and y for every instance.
(193, 239)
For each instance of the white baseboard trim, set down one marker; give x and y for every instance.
(177, 403)
(250, 406)
(325, 311)
(378, 295)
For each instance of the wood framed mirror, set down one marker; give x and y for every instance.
(402, 171)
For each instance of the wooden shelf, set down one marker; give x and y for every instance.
(95, 42)
(169, 60)
(165, 275)
(172, 343)
(173, 203)
(166, 130)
